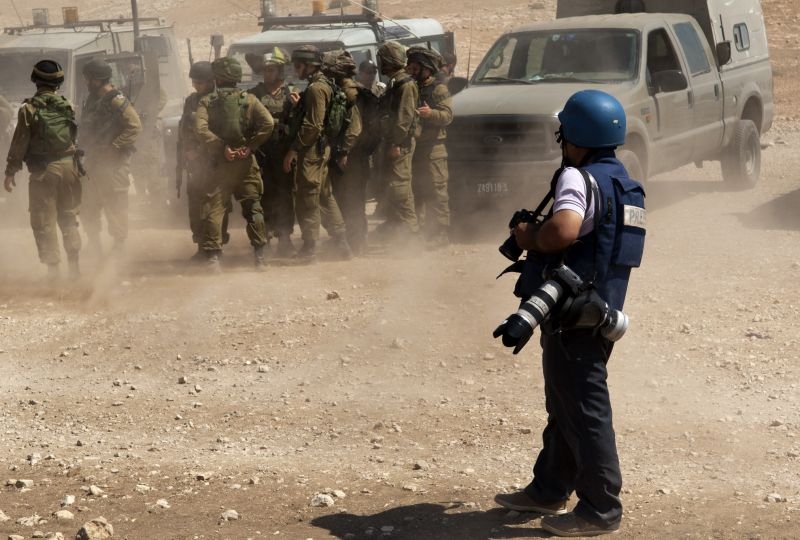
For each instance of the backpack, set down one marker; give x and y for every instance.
(227, 116)
(337, 117)
(369, 107)
(54, 127)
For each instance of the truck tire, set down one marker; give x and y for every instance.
(632, 164)
(741, 161)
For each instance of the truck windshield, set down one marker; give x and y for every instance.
(594, 55)
(16, 67)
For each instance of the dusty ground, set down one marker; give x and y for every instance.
(392, 390)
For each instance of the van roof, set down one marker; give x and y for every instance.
(64, 39)
(360, 34)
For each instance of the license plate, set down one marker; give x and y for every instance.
(492, 188)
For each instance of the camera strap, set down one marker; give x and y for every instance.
(592, 198)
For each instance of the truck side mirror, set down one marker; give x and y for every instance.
(456, 85)
(723, 53)
(670, 80)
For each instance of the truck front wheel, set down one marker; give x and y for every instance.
(741, 161)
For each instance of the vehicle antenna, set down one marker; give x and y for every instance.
(385, 18)
(14, 5)
(471, 26)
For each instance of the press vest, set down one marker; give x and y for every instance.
(605, 255)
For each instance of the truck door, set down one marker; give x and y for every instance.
(705, 92)
(669, 89)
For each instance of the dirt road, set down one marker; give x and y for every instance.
(160, 398)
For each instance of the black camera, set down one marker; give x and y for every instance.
(577, 305)
(510, 249)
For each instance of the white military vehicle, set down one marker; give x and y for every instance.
(693, 75)
(360, 33)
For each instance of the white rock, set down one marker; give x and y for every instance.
(421, 465)
(338, 493)
(64, 515)
(95, 491)
(387, 529)
(774, 498)
(23, 484)
(183, 379)
(230, 515)
(68, 500)
(15, 537)
(322, 500)
(162, 503)
(3, 517)
(96, 529)
(30, 521)
(142, 488)
(54, 536)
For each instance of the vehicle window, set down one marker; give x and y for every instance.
(595, 55)
(693, 47)
(660, 53)
(741, 37)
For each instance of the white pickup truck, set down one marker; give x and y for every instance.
(693, 75)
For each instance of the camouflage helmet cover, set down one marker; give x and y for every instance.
(47, 72)
(227, 69)
(427, 58)
(338, 64)
(307, 54)
(97, 69)
(392, 54)
(201, 71)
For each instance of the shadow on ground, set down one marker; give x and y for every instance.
(443, 521)
(782, 213)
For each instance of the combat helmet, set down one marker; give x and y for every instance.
(201, 71)
(392, 54)
(227, 69)
(593, 119)
(308, 54)
(426, 58)
(97, 70)
(258, 62)
(338, 64)
(47, 73)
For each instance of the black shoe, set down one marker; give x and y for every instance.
(522, 502)
(199, 256)
(572, 526)
(307, 253)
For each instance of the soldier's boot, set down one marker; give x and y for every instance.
(199, 256)
(53, 272)
(74, 267)
(307, 253)
(285, 246)
(212, 262)
(260, 258)
(341, 248)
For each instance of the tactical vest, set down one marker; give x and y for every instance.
(227, 115)
(337, 115)
(186, 133)
(369, 108)
(54, 129)
(102, 123)
(606, 255)
(278, 106)
(389, 105)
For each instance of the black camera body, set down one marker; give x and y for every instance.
(576, 303)
(510, 249)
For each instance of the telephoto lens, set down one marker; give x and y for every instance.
(615, 325)
(518, 328)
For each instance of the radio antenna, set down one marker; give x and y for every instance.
(370, 10)
(471, 26)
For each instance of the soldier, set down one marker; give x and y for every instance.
(278, 199)
(447, 71)
(367, 77)
(110, 128)
(232, 124)
(45, 140)
(430, 157)
(193, 158)
(309, 152)
(400, 127)
(350, 168)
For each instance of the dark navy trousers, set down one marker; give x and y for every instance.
(579, 451)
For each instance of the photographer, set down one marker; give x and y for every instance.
(596, 228)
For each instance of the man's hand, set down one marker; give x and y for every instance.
(294, 97)
(9, 183)
(525, 233)
(288, 161)
(425, 110)
(230, 153)
(342, 161)
(243, 152)
(394, 151)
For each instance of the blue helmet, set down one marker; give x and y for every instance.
(593, 119)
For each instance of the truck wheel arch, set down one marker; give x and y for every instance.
(636, 145)
(753, 110)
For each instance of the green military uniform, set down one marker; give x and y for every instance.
(430, 173)
(349, 185)
(400, 125)
(197, 167)
(278, 199)
(110, 127)
(313, 153)
(55, 189)
(240, 177)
